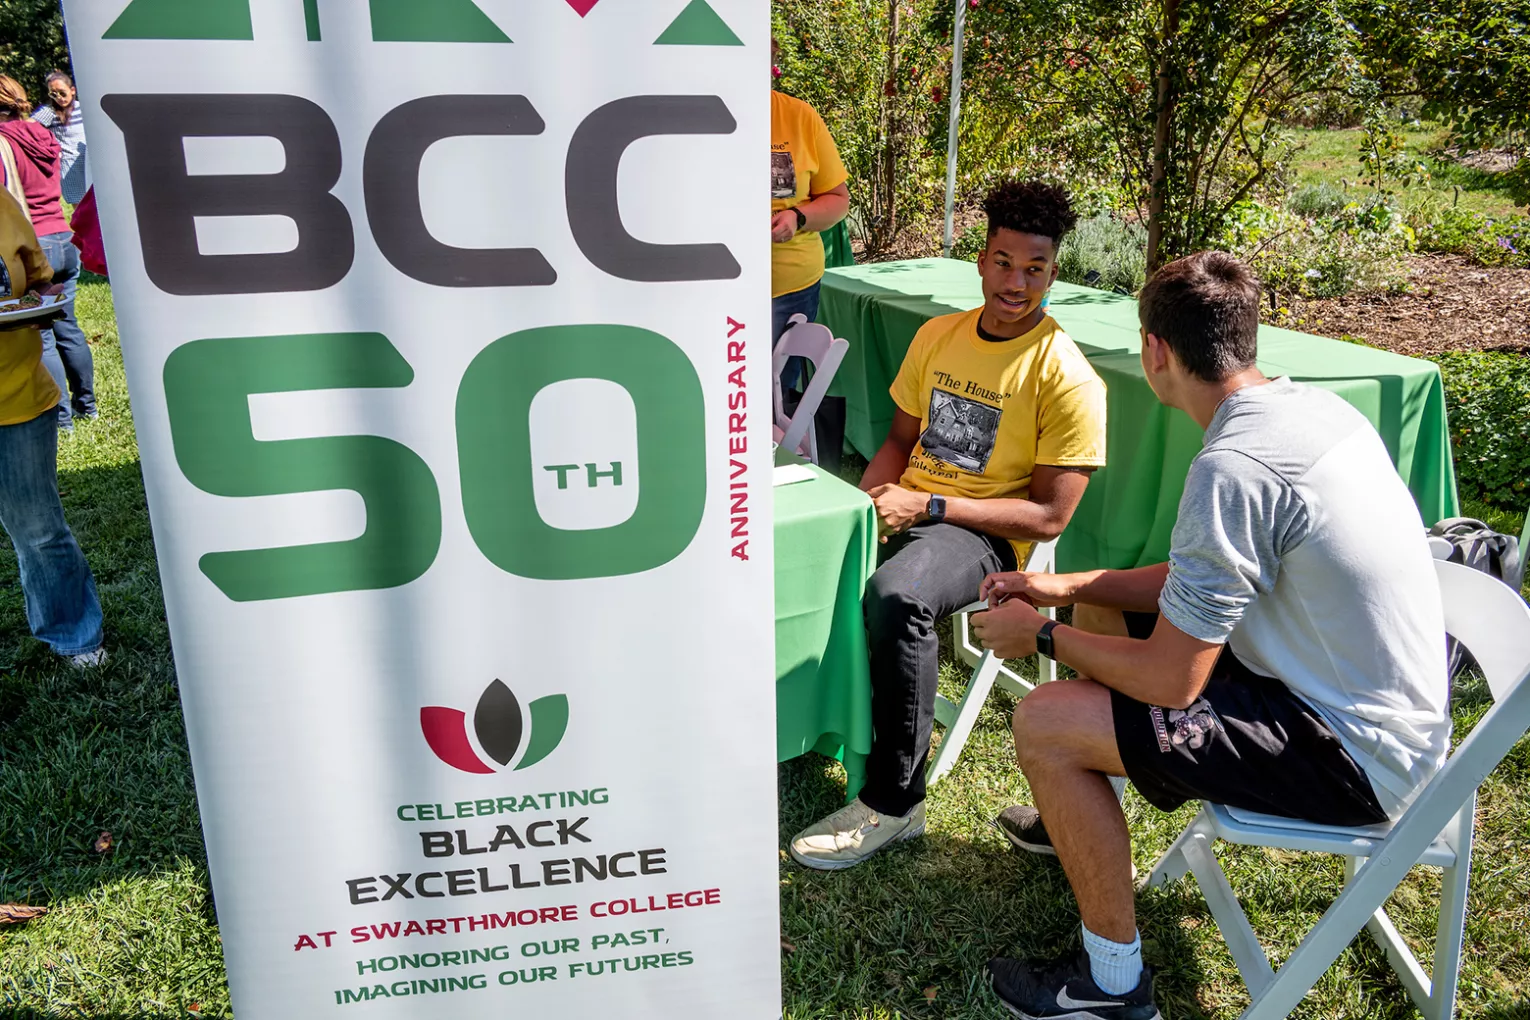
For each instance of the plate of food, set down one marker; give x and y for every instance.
(29, 306)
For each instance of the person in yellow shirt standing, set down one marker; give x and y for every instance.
(808, 195)
(63, 609)
(1000, 421)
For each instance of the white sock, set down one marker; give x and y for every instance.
(1115, 966)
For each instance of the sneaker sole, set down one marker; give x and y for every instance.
(1040, 849)
(1082, 1014)
(821, 865)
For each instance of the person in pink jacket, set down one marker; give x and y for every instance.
(34, 153)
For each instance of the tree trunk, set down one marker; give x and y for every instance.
(1158, 192)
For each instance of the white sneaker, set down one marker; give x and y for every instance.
(88, 660)
(852, 834)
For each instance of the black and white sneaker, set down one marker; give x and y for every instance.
(1064, 990)
(1021, 825)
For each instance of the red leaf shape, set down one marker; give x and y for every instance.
(445, 731)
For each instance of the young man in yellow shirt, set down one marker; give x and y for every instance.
(808, 195)
(1000, 420)
(62, 607)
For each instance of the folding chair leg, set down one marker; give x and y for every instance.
(1172, 865)
(1434, 995)
(1452, 928)
(966, 715)
(1239, 935)
(1046, 669)
(1359, 905)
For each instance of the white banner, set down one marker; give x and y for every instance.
(447, 332)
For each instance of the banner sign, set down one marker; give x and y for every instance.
(447, 332)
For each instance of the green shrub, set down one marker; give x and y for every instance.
(1487, 397)
(1503, 241)
(1116, 250)
(969, 242)
(1357, 247)
(1316, 200)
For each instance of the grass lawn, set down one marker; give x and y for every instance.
(1333, 157)
(132, 933)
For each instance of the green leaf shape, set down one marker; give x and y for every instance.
(549, 721)
(437, 21)
(698, 25)
(184, 19)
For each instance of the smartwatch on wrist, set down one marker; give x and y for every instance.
(935, 509)
(801, 217)
(1044, 639)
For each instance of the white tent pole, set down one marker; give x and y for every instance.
(952, 131)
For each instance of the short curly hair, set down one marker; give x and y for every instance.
(1030, 207)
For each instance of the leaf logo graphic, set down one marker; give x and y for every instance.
(501, 728)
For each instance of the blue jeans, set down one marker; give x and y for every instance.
(62, 607)
(66, 354)
(781, 310)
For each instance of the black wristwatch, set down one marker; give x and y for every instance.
(935, 509)
(1044, 639)
(801, 217)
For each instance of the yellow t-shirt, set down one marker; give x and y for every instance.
(990, 411)
(803, 162)
(26, 388)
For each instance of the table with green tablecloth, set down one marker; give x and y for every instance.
(826, 548)
(1128, 511)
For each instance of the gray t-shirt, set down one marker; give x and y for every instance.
(1298, 545)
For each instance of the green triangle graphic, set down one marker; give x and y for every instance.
(183, 19)
(437, 21)
(698, 25)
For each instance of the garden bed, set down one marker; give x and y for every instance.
(1452, 305)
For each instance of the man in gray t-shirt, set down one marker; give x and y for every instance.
(1288, 659)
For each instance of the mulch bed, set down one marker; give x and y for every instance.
(1452, 305)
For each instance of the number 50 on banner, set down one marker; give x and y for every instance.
(634, 523)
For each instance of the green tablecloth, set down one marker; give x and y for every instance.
(826, 548)
(1128, 511)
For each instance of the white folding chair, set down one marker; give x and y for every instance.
(1516, 576)
(1436, 829)
(988, 669)
(814, 342)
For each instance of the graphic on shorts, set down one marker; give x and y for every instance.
(783, 175)
(961, 432)
(1195, 726)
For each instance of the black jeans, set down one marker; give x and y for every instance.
(927, 574)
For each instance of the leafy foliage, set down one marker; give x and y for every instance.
(1338, 246)
(1469, 60)
(1487, 397)
(876, 75)
(1230, 71)
(1484, 239)
(32, 42)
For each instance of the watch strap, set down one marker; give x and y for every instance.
(801, 217)
(1044, 644)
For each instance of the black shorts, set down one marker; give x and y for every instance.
(1248, 742)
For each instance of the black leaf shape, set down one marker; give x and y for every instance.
(497, 721)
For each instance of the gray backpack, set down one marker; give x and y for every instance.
(1478, 546)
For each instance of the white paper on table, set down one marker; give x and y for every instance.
(786, 474)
